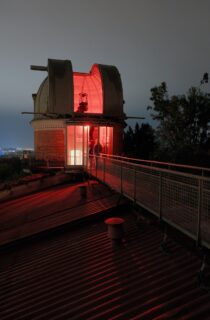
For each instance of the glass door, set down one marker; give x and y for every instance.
(86, 141)
(76, 145)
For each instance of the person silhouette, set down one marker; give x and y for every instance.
(97, 149)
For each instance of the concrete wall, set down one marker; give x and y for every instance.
(33, 186)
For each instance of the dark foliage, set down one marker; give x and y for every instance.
(183, 124)
(9, 169)
(140, 142)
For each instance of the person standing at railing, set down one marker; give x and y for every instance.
(97, 149)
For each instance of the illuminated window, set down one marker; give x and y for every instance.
(75, 157)
(83, 140)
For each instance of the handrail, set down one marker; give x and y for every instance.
(150, 162)
(142, 166)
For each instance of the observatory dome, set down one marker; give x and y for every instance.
(77, 113)
(41, 100)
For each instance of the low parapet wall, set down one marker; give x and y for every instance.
(33, 186)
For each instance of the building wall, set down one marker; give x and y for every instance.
(50, 144)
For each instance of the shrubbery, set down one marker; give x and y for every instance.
(10, 169)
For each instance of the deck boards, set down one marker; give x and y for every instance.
(78, 274)
(51, 208)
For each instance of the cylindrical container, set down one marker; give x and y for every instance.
(115, 228)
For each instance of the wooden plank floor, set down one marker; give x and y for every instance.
(80, 275)
(54, 207)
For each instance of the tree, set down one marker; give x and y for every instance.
(9, 168)
(128, 141)
(140, 142)
(183, 122)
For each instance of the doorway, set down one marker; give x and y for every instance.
(85, 140)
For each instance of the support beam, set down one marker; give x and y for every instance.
(39, 68)
(128, 117)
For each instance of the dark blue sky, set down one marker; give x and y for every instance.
(148, 40)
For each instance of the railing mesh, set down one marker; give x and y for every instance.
(180, 199)
(147, 188)
(205, 212)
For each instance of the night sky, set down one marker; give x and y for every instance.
(148, 40)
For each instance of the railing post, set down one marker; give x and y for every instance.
(160, 195)
(96, 157)
(121, 177)
(104, 169)
(200, 190)
(89, 164)
(134, 190)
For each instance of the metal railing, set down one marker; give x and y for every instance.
(203, 171)
(180, 199)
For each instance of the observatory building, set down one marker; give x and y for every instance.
(77, 114)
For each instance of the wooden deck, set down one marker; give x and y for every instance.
(80, 275)
(51, 208)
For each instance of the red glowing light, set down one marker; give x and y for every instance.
(83, 141)
(88, 87)
(76, 157)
